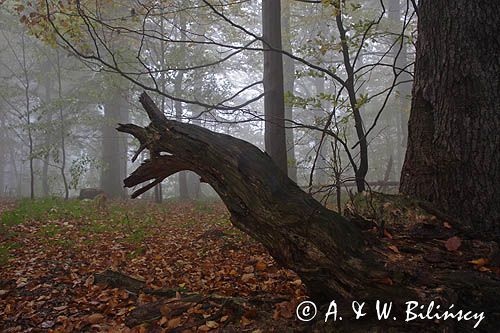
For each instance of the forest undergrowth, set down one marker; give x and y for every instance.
(51, 252)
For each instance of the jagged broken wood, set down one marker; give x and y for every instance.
(329, 253)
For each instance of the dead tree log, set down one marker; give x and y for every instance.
(333, 257)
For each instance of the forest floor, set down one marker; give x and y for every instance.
(199, 273)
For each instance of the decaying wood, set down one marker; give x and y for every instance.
(116, 279)
(333, 256)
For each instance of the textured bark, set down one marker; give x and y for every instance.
(318, 244)
(333, 257)
(274, 101)
(453, 157)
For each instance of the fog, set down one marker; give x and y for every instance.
(68, 79)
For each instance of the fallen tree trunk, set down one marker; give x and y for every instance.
(333, 257)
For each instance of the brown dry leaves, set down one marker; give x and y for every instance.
(47, 285)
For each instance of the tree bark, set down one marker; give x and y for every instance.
(114, 148)
(289, 89)
(360, 170)
(453, 157)
(182, 177)
(330, 254)
(398, 117)
(63, 132)
(296, 229)
(3, 153)
(274, 100)
(48, 141)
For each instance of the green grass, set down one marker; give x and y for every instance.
(5, 251)
(136, 236)
(49, 230)
(132, 223)
(203, 207)
(46, 209)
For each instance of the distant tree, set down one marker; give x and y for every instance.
(231, 36)
(288, 87)
(114, 147)
(453, 156)
(274, 100)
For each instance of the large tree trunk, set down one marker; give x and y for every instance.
(274, 101)
(296, 229)
(333, 257)
(453, 157)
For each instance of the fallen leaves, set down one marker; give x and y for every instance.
(393, 248)
(260, 266)
(247, 277)
(453, 243)
(480, 262)
(52, 282)
(94, 318)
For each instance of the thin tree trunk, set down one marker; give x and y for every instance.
(28, 118)
(361, 169)
(289, 88)
(3, 153)
(274, 102)
(321, 174)
(63, 131)
(399, 116)
(453, 157)
(193, 180)
(182, 178)
(48, 141)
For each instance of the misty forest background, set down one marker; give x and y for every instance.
(287, 150)
(59, 114)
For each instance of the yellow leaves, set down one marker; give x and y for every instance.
(212, 324)
(245, 321)
(480, 262)
(480, 265)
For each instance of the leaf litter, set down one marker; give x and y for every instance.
(197, 272)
